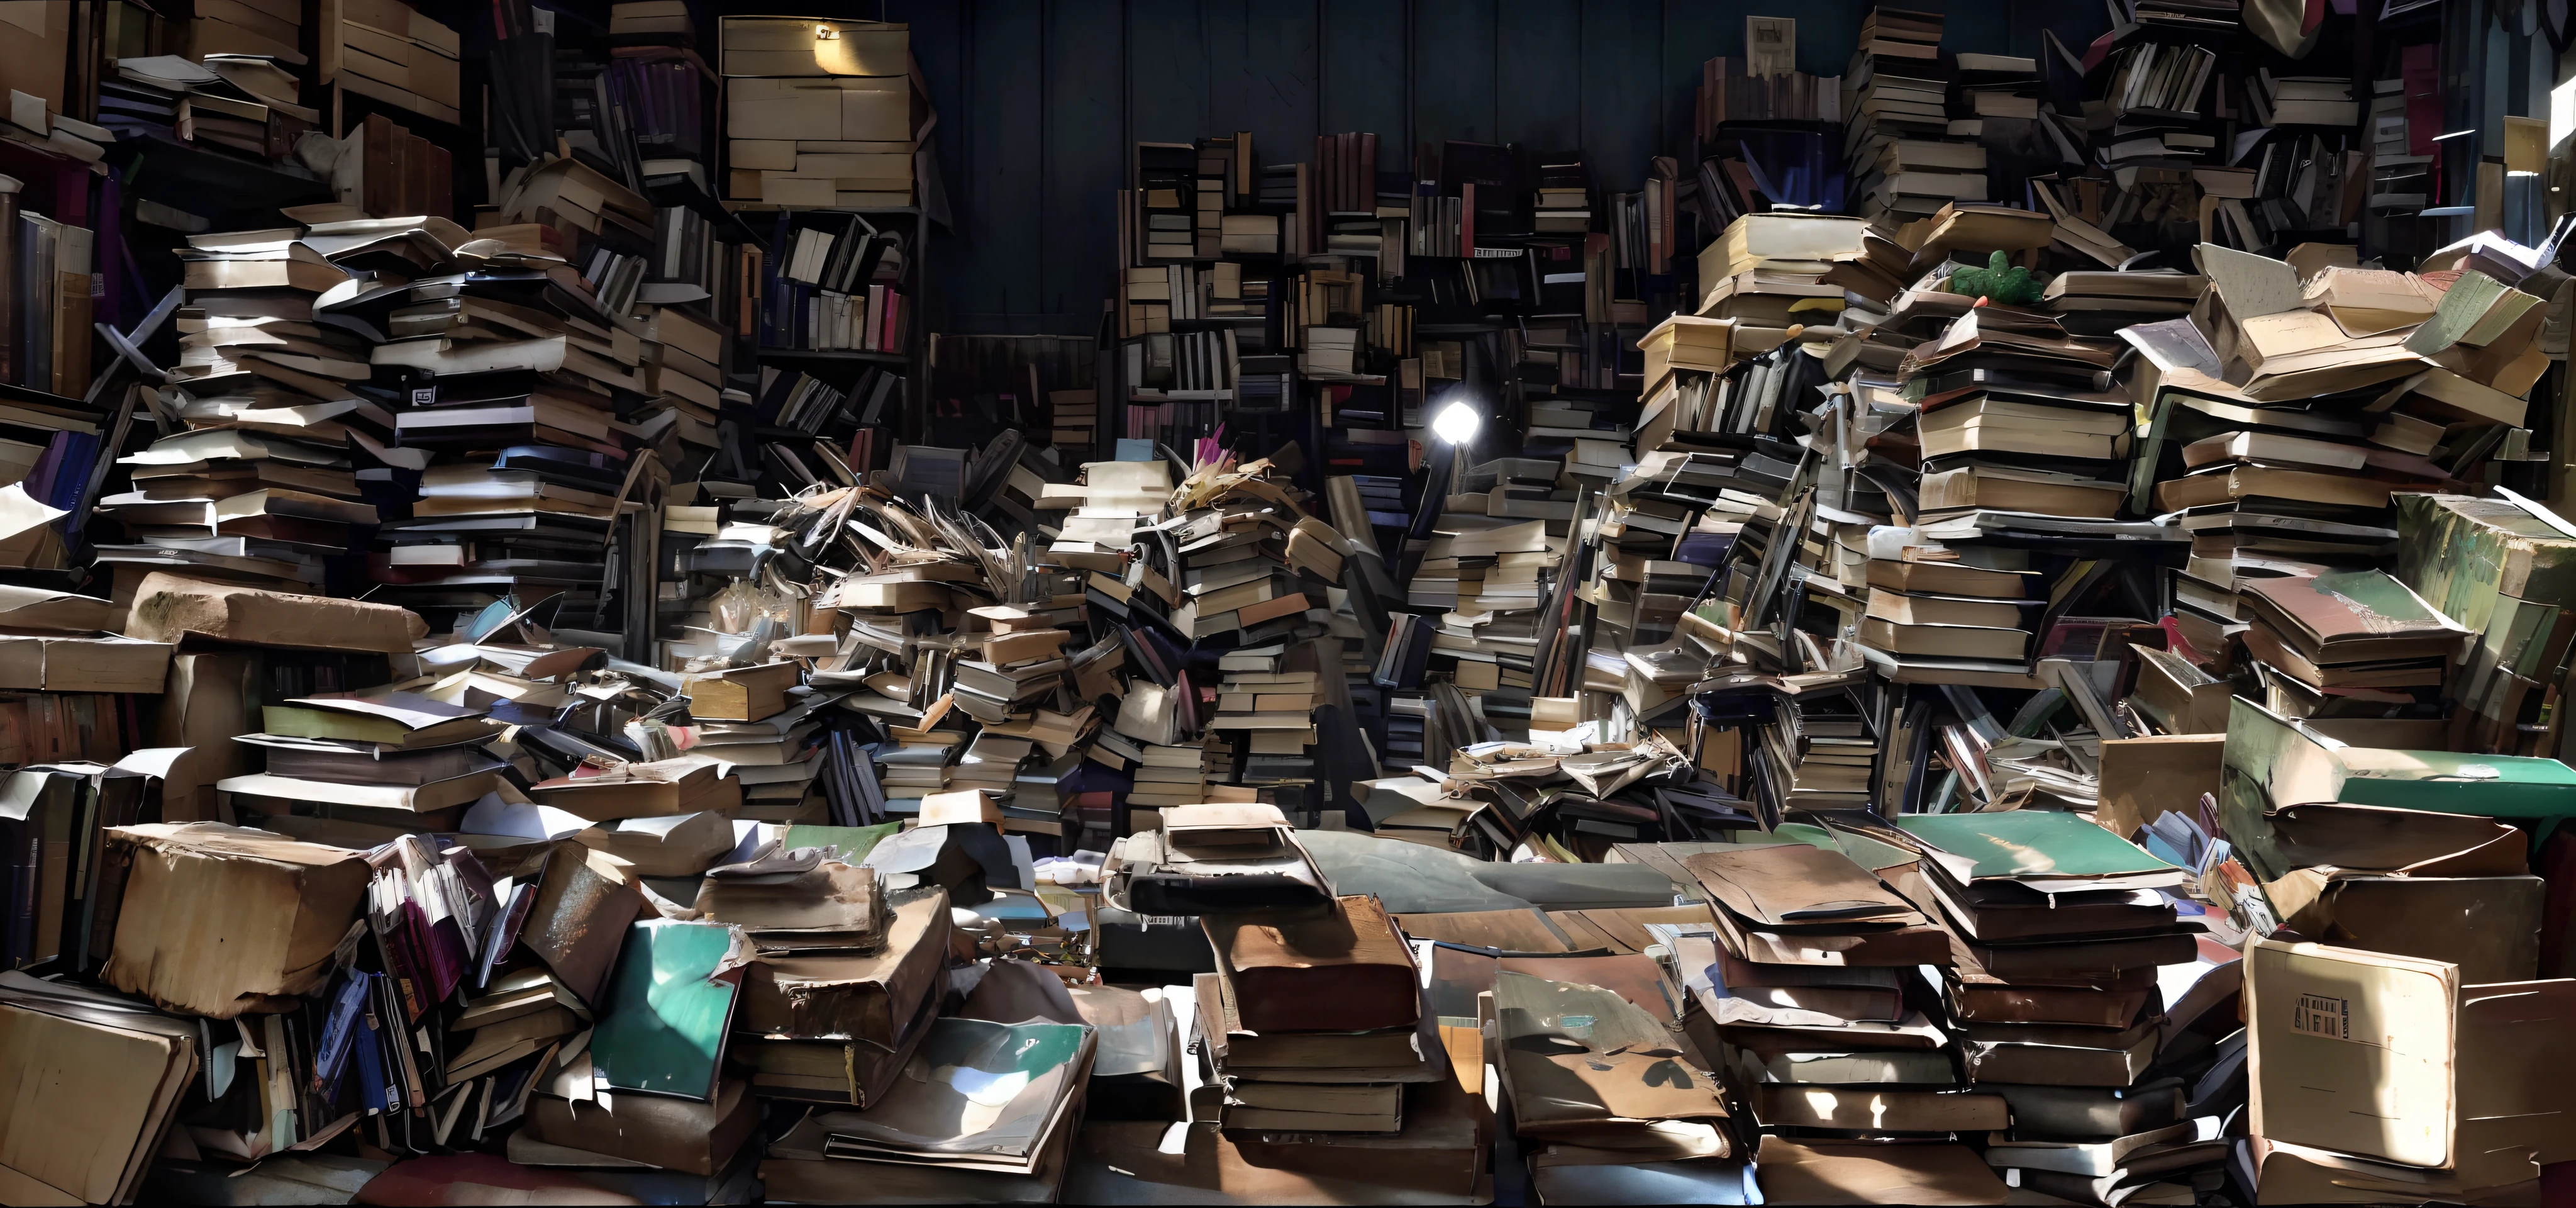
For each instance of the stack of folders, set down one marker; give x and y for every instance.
(1803, 987)
(2060, 928)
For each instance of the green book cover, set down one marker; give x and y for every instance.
(2272, 764)
(2466, 302)
(855, 842)
(669, 1004)
(2453, 782)
(2031, 843)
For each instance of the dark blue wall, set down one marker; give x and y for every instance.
(1038, 100)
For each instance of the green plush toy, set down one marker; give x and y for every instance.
(2000, 281)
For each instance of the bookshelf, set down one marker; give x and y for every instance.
(844, 366)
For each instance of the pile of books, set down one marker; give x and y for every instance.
(1800, 990)
(2059, 952)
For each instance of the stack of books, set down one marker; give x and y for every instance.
(261, 489)
(1895, 93)
(2355, 634)
(1272, 712)
(391, 758)
(2061, 929)
(1313, 1026)
(1800, 989)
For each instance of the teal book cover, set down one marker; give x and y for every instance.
(2032, 843)
(669, 1005)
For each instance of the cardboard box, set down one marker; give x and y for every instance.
(2143, 778)
(882, 110)
(395, 17)
(864, 997)
(805, 46)
(220, 920)
(170, 608)
(32, 54)
(2488, 926)
(2392, 1058)
(92, 1093)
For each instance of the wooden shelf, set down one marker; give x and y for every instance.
(178, 174)
(834, 354)
(763, 207)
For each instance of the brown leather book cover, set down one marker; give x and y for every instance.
(2351, 616)
(1344, 972)
(1914, 945)
(2103, 1003)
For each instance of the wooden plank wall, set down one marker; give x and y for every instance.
(1038, 101)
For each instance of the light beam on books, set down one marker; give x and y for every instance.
(1457, 423)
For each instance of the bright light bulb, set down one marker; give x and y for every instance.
(1456, 423)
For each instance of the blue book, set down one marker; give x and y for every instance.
(339, 1028)
(372, 1091)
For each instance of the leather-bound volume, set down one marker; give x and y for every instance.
(1347, 971)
